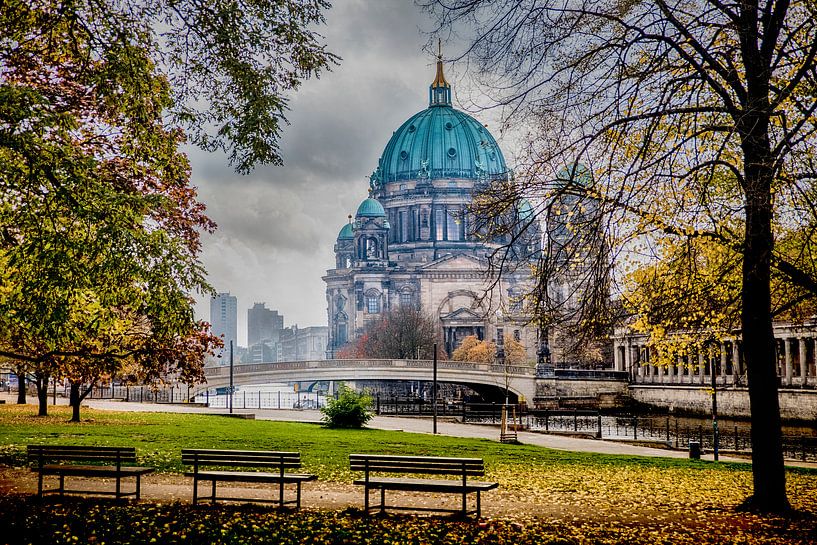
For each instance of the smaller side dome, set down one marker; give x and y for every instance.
(370, 208)
(577, 174)
(346, 233)
(525, 210)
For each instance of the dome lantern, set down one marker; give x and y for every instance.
(439, 92)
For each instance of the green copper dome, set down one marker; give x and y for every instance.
(524, 210)
(346, 233)
(370, 208)
(577, 173)
(440, 142)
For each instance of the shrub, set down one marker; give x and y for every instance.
(349, 410)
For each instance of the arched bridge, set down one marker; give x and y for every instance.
(483, 377)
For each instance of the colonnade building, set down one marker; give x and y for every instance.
(796, 357)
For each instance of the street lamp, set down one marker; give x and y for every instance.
(502, 360)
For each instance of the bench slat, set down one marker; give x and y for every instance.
(241, 458)
(416, 464)
(396, 458)
(250, 476)
(233, 453)
(426, 485)
(80, 453)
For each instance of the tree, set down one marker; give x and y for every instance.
(473, 349)
(405, 332)
(99, 227)
(697, 120)
(230, 65)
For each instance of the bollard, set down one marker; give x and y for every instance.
(694, 450)
(598, 433)
(635, 428)
(668, 439)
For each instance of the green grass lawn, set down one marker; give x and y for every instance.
(640, 499)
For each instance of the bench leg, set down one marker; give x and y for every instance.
(138, 486)
(479, 512)
(464, 503)
(298, 498)
(118, 486)
(40, 485)
(213, 499)
(382, 500)
(366, 499)
(62, 486)
(281, 494)
(195, 490)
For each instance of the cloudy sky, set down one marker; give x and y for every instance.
(277, 225)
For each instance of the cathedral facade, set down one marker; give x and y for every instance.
(414, 241)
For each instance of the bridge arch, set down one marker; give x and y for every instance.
(482, 377)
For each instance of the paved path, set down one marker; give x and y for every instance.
(423, 425)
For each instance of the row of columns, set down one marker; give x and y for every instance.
(794, 367)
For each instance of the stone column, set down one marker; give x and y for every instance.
(661, 374)
(735, 361)
(615, 356)
(628, 359)
(722, 370)
(803, 359)
(679, 365)
(787, 372)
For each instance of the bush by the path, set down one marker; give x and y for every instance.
(350, 410)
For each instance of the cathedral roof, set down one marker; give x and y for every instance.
(370, 208)
(346, 233)
(440, 142)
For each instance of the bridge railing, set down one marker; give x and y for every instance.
(252, 368)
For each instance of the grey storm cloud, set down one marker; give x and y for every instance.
(277, 225)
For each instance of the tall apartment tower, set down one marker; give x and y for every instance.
(224, 318)
(263, 325)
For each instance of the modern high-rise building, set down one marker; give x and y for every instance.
(224, 318)
(263, 325)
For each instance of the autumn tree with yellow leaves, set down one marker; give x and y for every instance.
(473, 349)
(697, 121)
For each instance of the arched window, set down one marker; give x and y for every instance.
(373, 302)
(406, 298)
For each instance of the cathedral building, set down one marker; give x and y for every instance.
(413, 241)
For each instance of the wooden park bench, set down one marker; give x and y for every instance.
(459, 467)
(278, 462)
(86, 461)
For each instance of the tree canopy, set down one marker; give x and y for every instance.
(230, 66)
(405, 332)
(100, 228)
(697, 120)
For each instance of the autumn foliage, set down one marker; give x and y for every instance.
(473, 349)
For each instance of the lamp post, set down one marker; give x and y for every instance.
(715, 434)
(230, 393)
(502, 360)
(434, 390)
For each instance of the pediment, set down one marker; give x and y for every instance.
(456, 262)
(462, 315)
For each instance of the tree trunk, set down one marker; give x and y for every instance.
(73, 400)
(21, 385)
(768, 471)
(42, 394)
